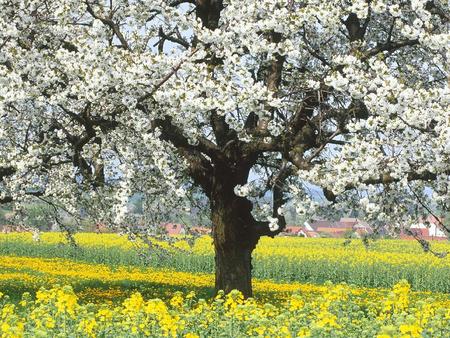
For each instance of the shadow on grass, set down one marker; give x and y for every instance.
(100, 292)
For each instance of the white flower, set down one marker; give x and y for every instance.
(129, 101)
(273, 223)
(395, 10)
(242, 190)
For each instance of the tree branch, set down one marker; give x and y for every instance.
(388, 179)
(111, 24)
(389, 47)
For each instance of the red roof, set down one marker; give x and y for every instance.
(293, 229)
(321, 223)
(316, 225)
(173, 228)
(348, 222)
(432, 220)
(331, 230)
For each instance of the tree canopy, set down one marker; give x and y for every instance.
(235, 100)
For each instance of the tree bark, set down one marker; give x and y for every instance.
(234, 239)
(233, 268)
(234, 242)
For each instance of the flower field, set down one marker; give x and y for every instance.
(303, 287)
(288, 259)
(336, 311)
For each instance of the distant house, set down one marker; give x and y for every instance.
(173, 229)
(292, 230)
(101, 228)
(342, 227)
(362, 228)
(333, 232)
(330, 228)
(201, 230)
(434, 226)
(302, 231)
(417, 231)
(8, 228)
(316, 224)
(348, 222)
(427, 228)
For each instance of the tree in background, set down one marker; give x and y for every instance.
(232, 100)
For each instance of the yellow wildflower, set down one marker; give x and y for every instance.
(177, 300)
(304, 332)
(411, 329)
(191, 335)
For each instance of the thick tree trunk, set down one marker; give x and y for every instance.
(234, 241)
(233, 269)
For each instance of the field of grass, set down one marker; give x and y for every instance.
(303, 287)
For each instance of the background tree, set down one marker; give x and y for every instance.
(100, 100)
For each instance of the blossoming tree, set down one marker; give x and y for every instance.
(237, 100)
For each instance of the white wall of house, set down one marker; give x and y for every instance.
(433, 229)
(308, 226)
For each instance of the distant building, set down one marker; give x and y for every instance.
(427, 228)
(301, 231)
(341, 228)
(173, 229)
(101, 228)
(292, 230)
(434, 226)
(348, 222)
(201, 230)
(8, 228)
(362, 228)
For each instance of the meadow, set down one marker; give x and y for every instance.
(109, 286)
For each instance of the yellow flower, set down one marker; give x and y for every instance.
(177, 300)
(304, 332)
(104, 315)
(233, 299)
(327, 319)
(191, 295)
(66, 300)
(87, 326)
(50, 323)
(133, 304)
(260, 330)
(295, 303)
(191, 335)
(155, 306)
(412, 329)
(5, 327)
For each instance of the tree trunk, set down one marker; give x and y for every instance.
(233, 269)
(234, 241)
